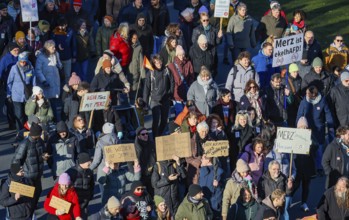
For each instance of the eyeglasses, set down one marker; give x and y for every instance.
(205, 20)
(339, 40)
(144, 134)
(140, 189)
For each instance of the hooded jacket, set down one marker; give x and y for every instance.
(241, 32)
(267, 185)
(43, 112)
(103, 38)
(264, 67)
(189, 210)
(145, 35)
(145, 151)
(266, 205)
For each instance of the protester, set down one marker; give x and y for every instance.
(245, 207)
(144, 33)
(119, 44)
(271, 206)
(252, 98)
(273, 24)
(162, 212)
(337, 54)
(84, 134)
(168, 52)
(103, 35)
(202, 54)
(71, 88)
(110, 211)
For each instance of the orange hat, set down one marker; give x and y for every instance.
(106, 63)
(19, 34)
(109, 18)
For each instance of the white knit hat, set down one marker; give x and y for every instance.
(37, 90)
(108, 128)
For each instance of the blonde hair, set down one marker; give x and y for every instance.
(243, 114)
(123, 30)
(204, 72)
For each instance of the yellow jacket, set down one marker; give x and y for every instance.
(335, 57)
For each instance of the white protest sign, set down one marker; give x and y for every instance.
(94, 101)
(221, 9)
(287, 50)
(29, 10)
(294, 140)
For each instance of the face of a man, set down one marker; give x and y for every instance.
(345, 83)
(141, 22)
(3, 12)
(268, 51)
(345, 138)
(203, 133)
(155, 3)
(242, 11)
(138, 3)
(77, 8)
(275, 13)
(143, 135)
(274, 171)
(199, 196)
(276, 83)
(309, 38)
(50, 6)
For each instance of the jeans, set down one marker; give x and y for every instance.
(318, 157)
(19, 114)
(160, 114)
(67, 69)
(288, 202)
(56, 106)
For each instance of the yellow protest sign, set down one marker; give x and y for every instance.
(60, 204)
(22, 189)
(120, 153)
(216, 148)
(177, 144)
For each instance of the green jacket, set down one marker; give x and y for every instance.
(241, 210)
(190, 211)
(103, 39)
(44, 113)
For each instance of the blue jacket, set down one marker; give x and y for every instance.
(15, 86)
(129, 13)
(67, 42)
(6, 62)
(213, 194)
(264, 67)
(316, 114)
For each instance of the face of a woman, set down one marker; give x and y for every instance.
(158, 64)
(226, 98)
(39, 96)
(258, 148)
(134, 39)
(242, 121)
(173, 43)
(79, 123)
(63, 188)
(247, 196)
(205, 78)
(253, 89)
(192, 121)
(245, 62)
(51, 49)
(297, 17)
(204, 21)
(162, 207)
(214, 124)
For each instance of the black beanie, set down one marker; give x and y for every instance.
(136, 184)
(12, 46)
(194, 189)
(15, 168)
(83, 158)
(269, 213)
(61, 127)
(35, 130)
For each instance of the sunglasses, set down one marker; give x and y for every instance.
(339, 40)
(144, 134)
(140, 189)
(206, 20)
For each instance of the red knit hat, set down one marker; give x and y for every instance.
(106, 63)
(77, 3)
(109, 18)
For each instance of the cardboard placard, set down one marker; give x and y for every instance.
(288, 50)
(120, 153)
(22, 189)
(216, 148)
(221, 8)
(60, 204)
(177, 144)
(94, 101)
(29, 10)
(294, 140)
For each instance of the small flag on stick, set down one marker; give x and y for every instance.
(146, 64)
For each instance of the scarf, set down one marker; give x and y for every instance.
(253, 99)
(40, 102)
(204, 84)
(338, 48)
(314, 101)
(300, 24)
(194, 201)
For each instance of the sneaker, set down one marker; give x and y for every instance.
(305, 207)
(225, 61)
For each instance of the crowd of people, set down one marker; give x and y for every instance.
(144, 59)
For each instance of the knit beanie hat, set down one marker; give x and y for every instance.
(108, 128)
(158, 200)
(202, 39)
(74, 79)
(37, 90)
(106, 63)
(61, 127)
(179, 50)
(108, 52)
(64, 179)
(35, 130)
(293, 68)
(23, 57)
(15, 168)
(12, 46)
(19, 34)
(302, 122)
(113, 202)
(203, 9)
(44, 26)
(83, 158)
(317, 62)
(109, 18)
(77, 3)
(139, 129)
(275, 5)
(241, 166)
(194, 189)
(344, 75)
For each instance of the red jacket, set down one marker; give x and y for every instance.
(71, 197)
(121, 49)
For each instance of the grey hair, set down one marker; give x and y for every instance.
(241, 5)
(202, 125)
(49, 43)
(273, 162)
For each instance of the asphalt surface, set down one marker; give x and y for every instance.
(7, 152)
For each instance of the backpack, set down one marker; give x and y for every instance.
(235, 72)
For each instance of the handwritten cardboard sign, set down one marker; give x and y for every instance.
(60, 204)
(293, 140)
(177, 144)
(120, 153)
(216, 148)
(94, 101)
(22, 189)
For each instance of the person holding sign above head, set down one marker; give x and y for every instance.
(17, 206)
(62, 192)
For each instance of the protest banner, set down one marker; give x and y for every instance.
(94, 101)
(216, 148)
(22, 189)
(60, 204)
(29, 10)
(176, 144)
(120, 153)
(221, 8)
(287, 50)
(293, 140)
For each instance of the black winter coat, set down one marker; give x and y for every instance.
(310, 52)
(85, 141)
(163, 186)
(71, 109)
(338, 102)
(294, 85)
(103, 116)
(211, 35)
(141, 203)
(266, 185)
(29, 155)
(242, 136)
(322, 81)
(328, 208)
(159, 19)
(201, 58)
(146, 156)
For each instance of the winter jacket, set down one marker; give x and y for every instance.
(167, 55)
(267, 204)
(328, 208)
(29, 155)
(255, 162)
(339, 97)
(6, 32)
(317, 113)
(188, 210)
(103, 214)
(65, 39)
(180, 39)
(46, 69)
(44, 112)
(245, 103)
(141, 202)
(99, 157)
(237, 79)
(212, 39)
(283, 159)
(146, 155)
(85, 140)
(15, 86)
(334, 162)
(201, 58)
(63, 153)
(187, 31)
(158, 86)
(322, 81)
(71, 109)
(6, 63)
(135, 68)
(241, 32)
(83, 183)
(103, 38)
(70, 197)
(129, 13)
(294, 85)
(50, 16)
(228, 119)
(84, 46)
(90, 6)
(73, 18)
(242, 136)
(213, 194)
(164, 187)
(183, 75)
(113, 7)
(159, 19)
(145, 35)
(17, 209)
(310, 52)
(121, 49)
(243, 210)
(267, 185)
(263, 66)
(270, 25)
(204, 96)
(336, 57)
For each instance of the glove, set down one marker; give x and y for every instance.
(45, 84)
(120, 135)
